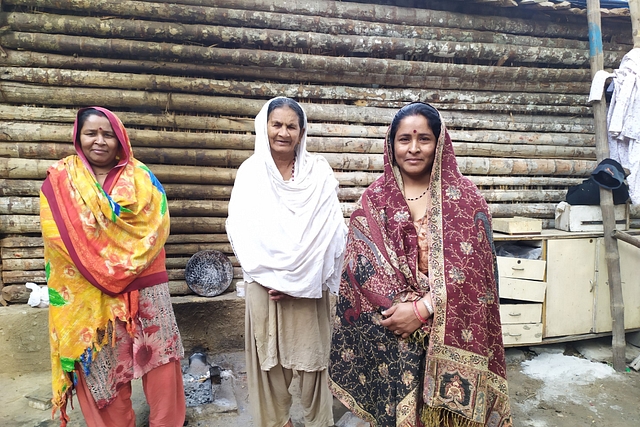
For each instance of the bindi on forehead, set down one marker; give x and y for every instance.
(415, 131)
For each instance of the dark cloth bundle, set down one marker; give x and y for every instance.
(608, 174)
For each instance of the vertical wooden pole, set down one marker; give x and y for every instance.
(2, 301)
(634, 8)
(612, 256)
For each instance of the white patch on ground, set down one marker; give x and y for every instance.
(534, 423)
(562, 377)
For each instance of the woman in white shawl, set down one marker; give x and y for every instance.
(288, 233)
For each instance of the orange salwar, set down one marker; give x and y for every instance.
(167, 407)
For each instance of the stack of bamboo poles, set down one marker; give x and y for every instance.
(188, 77)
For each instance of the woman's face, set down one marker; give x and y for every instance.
(283, 129)
(98, 142)
(414, 147)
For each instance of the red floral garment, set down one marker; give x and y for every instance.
(156, 341)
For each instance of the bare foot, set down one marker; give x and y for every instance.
(288, 424)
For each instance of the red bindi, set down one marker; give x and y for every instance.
(415, 131)
(100, 128)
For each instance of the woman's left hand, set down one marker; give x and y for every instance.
(401, 320)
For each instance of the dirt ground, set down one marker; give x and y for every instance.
(574, 400)
(611, 402)
(543, 394)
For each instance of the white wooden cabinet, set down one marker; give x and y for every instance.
(630, 278)
(570, 287)
(522, 290)
(566, 293)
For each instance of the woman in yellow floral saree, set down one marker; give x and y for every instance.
(104, 222)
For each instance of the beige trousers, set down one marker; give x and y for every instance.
(285, 339)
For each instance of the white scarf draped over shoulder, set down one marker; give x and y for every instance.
(287, 235)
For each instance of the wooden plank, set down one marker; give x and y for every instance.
(21, 252)
(517, 225)
(271, 39)
(12, 277)
(41, 59)
(20, 242)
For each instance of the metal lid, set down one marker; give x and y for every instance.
(208, 273)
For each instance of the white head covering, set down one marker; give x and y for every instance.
(288, 235)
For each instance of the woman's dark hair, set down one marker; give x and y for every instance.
(287, 102)
(85, 114)
(416, 109)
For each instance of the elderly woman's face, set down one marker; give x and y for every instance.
(414, 146)
(283, 129)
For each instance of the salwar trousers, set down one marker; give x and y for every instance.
(269, 396)
(163, 389)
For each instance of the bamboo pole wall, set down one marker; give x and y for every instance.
(188, 77)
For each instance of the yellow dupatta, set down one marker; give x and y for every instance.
(101, 246)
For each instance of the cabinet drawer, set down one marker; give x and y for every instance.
(519, 334)
(521, 289)
(521, 268)
(520, 313)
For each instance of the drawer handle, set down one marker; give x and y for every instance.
(515, 314)
(513, 335)
(517, 268)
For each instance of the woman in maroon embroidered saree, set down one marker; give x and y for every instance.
(417, 338)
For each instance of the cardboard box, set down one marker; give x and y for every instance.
(517, 225)
(588, 218)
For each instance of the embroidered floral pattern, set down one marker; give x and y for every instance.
(454, 193)
(456, 275)
(466, 248)
(407, 378)
(401, 216)
(467, 335)
(348, 355)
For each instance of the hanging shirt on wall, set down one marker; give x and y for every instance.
(623, 120)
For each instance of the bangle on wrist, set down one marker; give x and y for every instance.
(417, 313)
(428, 305)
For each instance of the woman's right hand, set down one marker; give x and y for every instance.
(401, 320)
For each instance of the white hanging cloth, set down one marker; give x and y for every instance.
(623, 120)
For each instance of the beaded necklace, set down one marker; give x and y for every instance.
(413, 199)
(293, 167)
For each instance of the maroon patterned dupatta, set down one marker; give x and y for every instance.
(452, 371)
